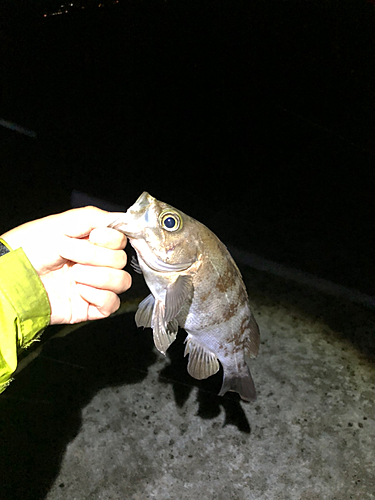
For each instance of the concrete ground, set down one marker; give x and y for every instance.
(100, 414)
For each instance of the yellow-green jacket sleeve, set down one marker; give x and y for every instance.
(24, 309)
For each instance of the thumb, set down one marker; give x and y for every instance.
(79, 222)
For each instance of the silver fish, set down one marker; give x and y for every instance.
(196, 285)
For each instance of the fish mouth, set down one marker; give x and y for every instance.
(127, 222)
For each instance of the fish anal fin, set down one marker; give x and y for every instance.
(177, 293)
(143, 316)
(202, 362)
(244, 385)
(164, 334)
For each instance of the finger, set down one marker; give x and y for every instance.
(84, 252)
(75, 223)
(102, 303)
(109, 238)
(105, 278)
(80, 222)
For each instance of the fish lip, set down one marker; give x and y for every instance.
(121, 226)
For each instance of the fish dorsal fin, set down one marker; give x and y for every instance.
(251, 342)
(143, 316)
(177, 293)
(202, 362)
(163, 335)
(135, 265)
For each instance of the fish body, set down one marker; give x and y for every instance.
(196, 285)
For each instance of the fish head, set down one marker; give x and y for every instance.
(162, 235)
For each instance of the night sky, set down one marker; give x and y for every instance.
(255, 117)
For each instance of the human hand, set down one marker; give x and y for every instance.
(79, 260)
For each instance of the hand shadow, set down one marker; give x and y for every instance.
(209, 402)
(40, 412)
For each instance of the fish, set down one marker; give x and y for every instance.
(196, 285)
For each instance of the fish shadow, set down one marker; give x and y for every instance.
(210, 404)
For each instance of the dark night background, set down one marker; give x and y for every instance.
(255, 117)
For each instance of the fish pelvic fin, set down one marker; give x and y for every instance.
(244, 385)
(202, 362)
(164, 334)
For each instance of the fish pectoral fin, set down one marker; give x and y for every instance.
(177, 293)
(202, 362)
(164, 334)
(143, 316)
(135, 265)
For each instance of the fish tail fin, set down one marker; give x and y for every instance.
(244, 385)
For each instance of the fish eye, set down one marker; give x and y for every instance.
(170, 221)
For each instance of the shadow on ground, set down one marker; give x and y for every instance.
(40, 413)
(210, 403)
